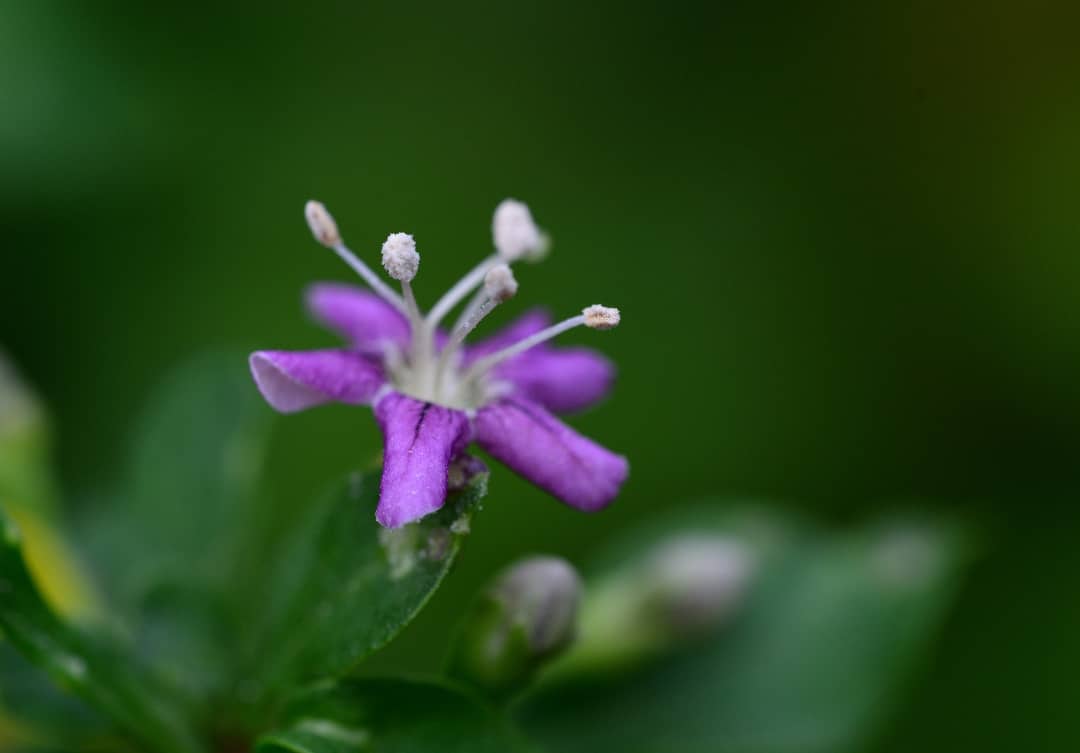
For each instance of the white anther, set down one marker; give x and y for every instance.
(499, 283)
(601, 317)
(514, 232)
(399, 256)
(322, 224)
(542, 249)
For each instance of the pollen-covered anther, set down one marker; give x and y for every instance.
(601, 317)
(499, 283)
(514, 231)
(322, 224)
(400, 257)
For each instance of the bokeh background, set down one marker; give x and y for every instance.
(844, 238)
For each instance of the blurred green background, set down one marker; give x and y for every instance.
(843, 236)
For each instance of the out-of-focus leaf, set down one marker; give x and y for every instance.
(391, 716)
(28, 494)
(346, 586)
(92, 671)
(25, 477)
(56, 566)
(196, 455)
(169, 544)
(827, 635)
(29, 698)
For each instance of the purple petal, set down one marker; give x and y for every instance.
(364, 319)
(294, 380)
(549, 453)
(527, 324)
(420, 441)
(560, 379)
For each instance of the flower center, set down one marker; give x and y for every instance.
(435, 366)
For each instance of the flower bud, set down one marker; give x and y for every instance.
(697, 580)
(684, 586)
(528, 616)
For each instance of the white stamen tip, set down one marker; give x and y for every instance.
(514, 232)
(399, 256)
(322, 224)
(601, 317)
(499, 283)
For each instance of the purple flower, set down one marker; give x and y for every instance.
(433, 394)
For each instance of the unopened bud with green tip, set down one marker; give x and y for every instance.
(527, 617)
(685, 586)
(697, 580)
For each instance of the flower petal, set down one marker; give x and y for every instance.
(294, 380)
(420, 441)
(364, 319)
(528, 439)
(529, 323)
(561, 379)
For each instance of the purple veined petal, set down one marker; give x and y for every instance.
(535, 444)
(561, 379)
(420, 440)
(364, 319)
(294, 380)
(529, 323)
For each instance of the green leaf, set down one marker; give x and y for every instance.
(28, 697)
(92, 671)
(196, 456)
(390, 716)
(813, 662)
(187, 515)
(26, 479)
(346, 586)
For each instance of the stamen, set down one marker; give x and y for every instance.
(402, 261)
(515, 236)
(601, 317)
(462, 288)
(595, 317)
(499, 286)
(538, 253)
(499, 283)
(322, 224)
(399, 257)
(514, 231)
(326, 232)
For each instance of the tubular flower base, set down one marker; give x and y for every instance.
(432, 394)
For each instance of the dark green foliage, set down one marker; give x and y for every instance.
(391, 716)
(811, 662)
(346, 586)
(107, 680)
(219, 625)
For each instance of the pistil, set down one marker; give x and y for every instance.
(499, 286)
